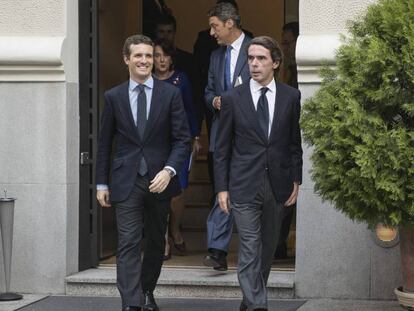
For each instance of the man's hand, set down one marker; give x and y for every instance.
(160, 182)
(196, 148)
(103, 198)
(224, 201)
(294, 196)
(217, 102)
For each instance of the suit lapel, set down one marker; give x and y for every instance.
(279, 103)
(125, 108)
(155, 108)
(247, 106)
(241, 60)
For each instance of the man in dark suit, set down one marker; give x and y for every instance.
(145, 118)
(228, 68)
(166, 28)
(258, 164)
(204, 45)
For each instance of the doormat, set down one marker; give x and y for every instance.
(71, 303)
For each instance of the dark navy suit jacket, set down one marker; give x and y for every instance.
(166, 140)
(215, 84)
(243, 152)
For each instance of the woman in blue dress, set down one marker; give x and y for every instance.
(164, 70)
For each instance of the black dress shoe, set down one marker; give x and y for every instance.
(218, 263)
(243, 306)
(131, 309)
(149, 302)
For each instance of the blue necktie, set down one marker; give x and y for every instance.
(227, 68)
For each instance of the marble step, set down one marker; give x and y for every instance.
(180, 282)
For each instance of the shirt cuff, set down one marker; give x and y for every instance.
(102, 187)
(171, 168)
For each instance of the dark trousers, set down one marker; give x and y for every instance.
(140, 211)
(258, 224)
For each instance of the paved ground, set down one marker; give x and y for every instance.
(70, 303)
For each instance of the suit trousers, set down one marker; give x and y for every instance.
(140, 211)
(258, 224)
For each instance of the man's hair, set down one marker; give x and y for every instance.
(229, 1)
(166, 19)
(133, 40)
(225, 11)
(269, 44)
(293, 27)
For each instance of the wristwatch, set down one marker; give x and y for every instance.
(169, 171)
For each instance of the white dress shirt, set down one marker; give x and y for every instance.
(235, 51)
(255, 90)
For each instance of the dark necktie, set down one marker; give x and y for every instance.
(263, 111)
(141, 122)
(141, 110)
(227, 69)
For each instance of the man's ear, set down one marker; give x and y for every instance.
(276, 64)
(229, 23)
(126, 60)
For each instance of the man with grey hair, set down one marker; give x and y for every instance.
(228, 68)
(258, 164)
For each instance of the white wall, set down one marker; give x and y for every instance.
(39, 139)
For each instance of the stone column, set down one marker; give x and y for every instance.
(335, 257)
(40, 138)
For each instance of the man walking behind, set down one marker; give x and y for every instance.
(144, 119)
(228, 68)
(258, 164)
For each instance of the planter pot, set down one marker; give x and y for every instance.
(406, 300)
(405, 294)
(407, 258)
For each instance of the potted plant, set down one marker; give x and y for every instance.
(361, 126)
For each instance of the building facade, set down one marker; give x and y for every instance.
(43, 86)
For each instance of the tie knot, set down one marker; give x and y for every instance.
(264, 90)
(141, 88)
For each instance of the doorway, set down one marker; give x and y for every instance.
(108, 25)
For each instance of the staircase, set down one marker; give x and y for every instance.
(173, 282)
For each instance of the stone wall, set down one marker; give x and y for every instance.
(39, 139)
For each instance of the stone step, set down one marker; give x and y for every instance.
(198, 192)
(199, 169)
(195, 215)
(180, 283)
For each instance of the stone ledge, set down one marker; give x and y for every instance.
(25, 58)
(312, 51)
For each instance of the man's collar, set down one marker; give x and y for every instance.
(238, 42)
(148, 83)
(256, 86)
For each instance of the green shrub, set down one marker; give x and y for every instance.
(360, 122)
